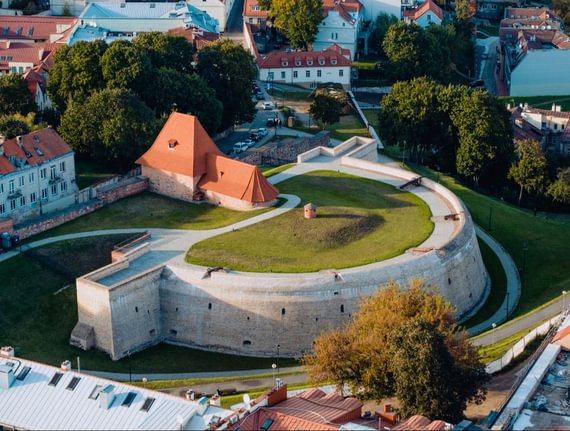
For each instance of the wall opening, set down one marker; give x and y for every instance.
(246, 343)
(282, 311)
(342, 308)
(136, 309)
(173, 332)
(152, 331)
(209, 305)
(449, 281)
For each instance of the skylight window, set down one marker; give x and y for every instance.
(266, 424)
(30, 30)
(147, 404)
(5, 31)
(22, 374)
(55, 379)
(19, 30)
(129, 399)
(39, 152)
(95, 392)
(73, 383)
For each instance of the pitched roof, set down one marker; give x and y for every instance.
(251, 8)
(281, 421)
(428, 5)
(419, 422)
(236, 179)
(73, 402)
(34, 79)
(181, 147)
(37, 147)
(333, 56)
(25, 52)
(35, 28)
(343, 8)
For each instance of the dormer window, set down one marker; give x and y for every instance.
(321, 61)
(309, 61)
(172, 143)
(284, 62)
(333, 60)
(297, 61)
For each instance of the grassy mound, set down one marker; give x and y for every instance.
(359, 221)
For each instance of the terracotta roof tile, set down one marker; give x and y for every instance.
(38, 147)
(428, 5)
(35, 28)
(250, 9)
(325, 58)
(25, 52)
(188, 155)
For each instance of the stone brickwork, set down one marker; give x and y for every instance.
(285, 151)
(234, 203)
(171, 184)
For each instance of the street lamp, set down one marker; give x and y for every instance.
(278, 346)
(274, 366)
(493, 333)
(563, 301)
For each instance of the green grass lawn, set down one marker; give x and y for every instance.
(269, 171)
(281, 96)
(539, 102)
(359, 221)
(372, 117)
(88, 173)
(347, 127)
(149, 210)
(547, 270)
(498, 286)
(39, 311)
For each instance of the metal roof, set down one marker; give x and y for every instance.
(30, 403)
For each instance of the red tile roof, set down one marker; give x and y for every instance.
(420, 423)
(24, 52)
(186, 155)
(343, 8)
(324, 58)
(197, 38)
(236, 179)
(281, 421)
(35, 28)
(428, 5)
(33, 79)
(528, 12)
(248, 10)
(38, 147)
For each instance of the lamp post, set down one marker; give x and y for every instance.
(493, 333)
(278, 346)
(274, 366)
(563, 301)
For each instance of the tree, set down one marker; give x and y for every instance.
(428, 380)
(326, 108)
(529, 168)
(229, 69)
(298, 20)
(15, 96)
(463, 10)
(16, 124)
(76, 72)
(562, 9)
(125, 66)
(112, 125)
(407, 48)
(559, 190)
(163, 50)
(364, 354)
(381, 25)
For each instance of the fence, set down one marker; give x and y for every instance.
(371, 130)
(519, 347)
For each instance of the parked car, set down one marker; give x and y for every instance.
(262, 132)
(477, 84)
(259, 96)
(254, 137)
(240, 147)
(249, 142)
(270, 122)
(267, 106)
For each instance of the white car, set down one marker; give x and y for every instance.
(262, 132)
(267, 106)
(240, 147)
(249, 142)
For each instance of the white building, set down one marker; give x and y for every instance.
(39, 396)
(341, 25)
(428, 13)
(372, 8)
(542, 72)
(307, 68)
(37, 175)
(218, 9)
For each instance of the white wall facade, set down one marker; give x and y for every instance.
(372, 8)
(427, 19)
(542, 73)
(335, 29)
(307, 76)
(37, 189)
(218, 9)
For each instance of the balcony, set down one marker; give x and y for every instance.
(15, 194)
(55, 179)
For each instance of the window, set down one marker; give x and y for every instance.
(62, 167)
(282, 75)
(44, 193)
(147, 404)
(95, 392)
(341, 72)
(32, 177)
(2, 208)
(22, 201)
(63, 186)
(270, 76)
(21, 181)
(52, 172)
(129, 399)
(295, 74)
(11, 187)
(55, 379)
(12, 204)
(428, 17)
(319, 73)
(43, 173)
(20, 69)
(32, 197)
(307, 74)
(54, 190)
(1, 188)
(266, 424)
(73, 383)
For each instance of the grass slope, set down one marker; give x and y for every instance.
(359, 221)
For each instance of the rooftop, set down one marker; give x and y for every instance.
(333, 56)
(428, 5)
(35, 28)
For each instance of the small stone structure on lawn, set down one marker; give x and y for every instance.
(310, 211)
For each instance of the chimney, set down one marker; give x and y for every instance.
(276, 395)
(20, 141)
(558, 108)
(66, 365)
(106, 397)
(553, 109)
(7, 351)
(40, 54)
(6, 376)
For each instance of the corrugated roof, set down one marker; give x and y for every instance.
(187, 155)
(236, 179)
(419, 422)
(32, 403)
(38, 147)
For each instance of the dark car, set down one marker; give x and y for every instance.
(259, 96)
(254, 137)
(270, 122)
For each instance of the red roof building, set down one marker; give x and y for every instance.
(36, 28)
(252, 12)
(428, 13)
(184, 163)
(20, 57)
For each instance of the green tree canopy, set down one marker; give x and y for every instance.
(326, 108)
(125, 66)
(229, 69)
(529, 168)
(364, 354)
(381, 25)
(463, 10)
(562, 9)
(112, 125)
(76, 72)
(297, 19)
(407, 48)
(15, 96)
(17, 124)
(174, 52)
(559, 189)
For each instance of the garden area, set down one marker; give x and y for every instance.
(359, 221)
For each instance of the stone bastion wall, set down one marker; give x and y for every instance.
(254, 313)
